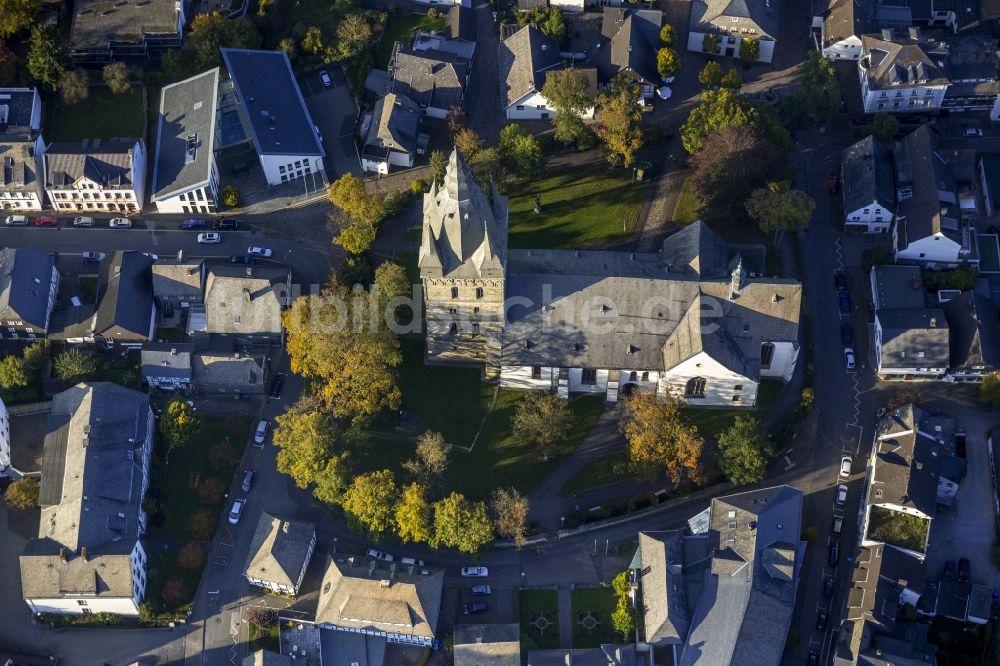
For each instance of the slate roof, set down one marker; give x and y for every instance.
(629, 43)
(352, 596)
(716, 15)
(697, 250)
(176, 279)
(98, 22)
(847, 18)
(109, 165)
(896, 62)
(232, 369)
(974, 329)
(605, 655)
(394, 126)
(19, 166)
(185, 135)
(661, 581)
(487, 645)
(167, 359)
(464, 231)
(867, 176)
(429, 77)
(272, 103)
(25, 279)
(17, 111)
(461, 23)
(898, 287)
(279, 549)
(906, 462)
(246, 299)
(125, 295)
(525, 56)
(915, 338)
(745, 610)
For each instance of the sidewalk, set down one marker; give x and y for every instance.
(565, 617)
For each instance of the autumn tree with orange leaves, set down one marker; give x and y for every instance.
(660, 439)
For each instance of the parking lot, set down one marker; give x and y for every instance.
(334, 111)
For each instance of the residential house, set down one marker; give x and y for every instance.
(392, 135)
(695, 319)
(105, 178)
(458, 38)
(927, 73)
(910, 339)
(930, 228)
(487, 645)
(267, 658)
(228, 372)
(435, 80)
(103, 31)
(370, 597)
(29, 283)
(167, 365)
(628, 46)
(263, 90)
(843, 26)
(663, 563)
(733, 22)
(176, 288)
(185, 173)
(4, 439)
(526, 57)
(605, 655)
(974, 334)
(243, 303)
(21, 150)
(88, 556)
(279, 554)
(126, 314)
(445, 3)
(869, 186)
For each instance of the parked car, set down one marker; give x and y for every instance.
(236, 512)
(839, 281)
(261, 433)
(194, 225)
(411, 560)
(46, 221)
(16, 220)
(960, 444)
(845, 466)
(380, 555)
(846, 333)
(120, 223)
(209, 238)
(93, 257)
(963, 570)
(225, 224)
(241, 259)
(845, 302)
(972, 131)
(247, 481)
(277, 384)
(821, 619)
(475, 608)
(841, 494)
(259, 251)
(827, 587)
(949, 570)
(849, 357)
(834, 553)
(83, 221)
(838, 524)
(475, 572)
(664, 92)
(482, 590)
(324, 76)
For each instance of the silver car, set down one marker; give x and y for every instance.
(261, 433)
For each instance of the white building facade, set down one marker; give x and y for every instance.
(108, 179)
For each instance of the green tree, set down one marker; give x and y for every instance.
(413, 515)
(179, 423)
(795, 110)
(439, 165)
(659, 438)
(883, 126)
(332, 480)
(74, 87)
(710, 43)
(287, 44)
(623, 619)
(370, 502)
(34, 357)
(348, 193)
(353, 36)
(711, 74)
(749, 50)
(821, 87)
(618, 120)
(10, 65)
(13, 373)
(313, 41)
(487, 167)
(391, 282)
(212, 32)
(510, 514)
(73, 365)
(17, 15)
(191, 556)
(553, 24)
(116, 78)
(431, 459)
(778, 208)
(461, 524)
(668, 63)
(731, 79)
(542, 419)
(668, 35)
(45, 59)
(22, 494)
(566, 91)
(716, 110)
(305, 437)
(230, 196)
(520, 152)
(743, 451)
(989, 390)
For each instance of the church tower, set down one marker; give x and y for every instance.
(463, 262)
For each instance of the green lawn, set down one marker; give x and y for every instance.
(686, 208)
(592, 609)
(711, 421)
(899, 529)
(103, 115)
(601, 472)
(535, 608)
(453, 401)
(124, 372)
(586, 206)
(398, 28)
(262, 640)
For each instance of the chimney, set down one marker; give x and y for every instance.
(62, 555)
(246, 293)
(775, 298)
(914, 32)
(83, 553)
(173, 352)
(887, 34)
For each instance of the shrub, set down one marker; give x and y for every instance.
(419, 186)
(809, 534)
(22, 495)
(176, 591)
(231, 196)
(191, 556)
(806, 402)
(201, 525)
(262, 618)
(395, 203)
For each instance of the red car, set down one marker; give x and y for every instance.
(46, 221)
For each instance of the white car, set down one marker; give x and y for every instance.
(259, 251)
(664, 92)
(379, 555)
(849, 357)
(93, 257)
(841, 494)
(236, 512)
(261, 433)
(845, 466)
(325, 78)
(16, 220)
(972, 131)
(120, 223)
(209, 238)
(475, 572)
(83, 221)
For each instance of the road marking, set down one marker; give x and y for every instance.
(789, 464)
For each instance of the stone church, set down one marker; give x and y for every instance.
(696, 319)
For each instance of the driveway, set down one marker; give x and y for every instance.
(482, 99)
(335, 113)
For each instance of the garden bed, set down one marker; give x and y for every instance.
(592, 609)
(539, 614)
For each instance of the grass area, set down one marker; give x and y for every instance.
(103, 115)
(262, 639)
(601, 472)
(592, 609)
(124, 372)
(898, 529)
(398, 28)
(586, 206)
(453, 401)
(537, 606)
(686, 208)
(712, 421)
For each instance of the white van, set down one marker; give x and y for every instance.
(411, 560)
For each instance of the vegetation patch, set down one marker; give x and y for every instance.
(103, 115)
(687, 207)
(592, 609)
(898, 529)
(606, 470)
(711, 422)
(539, 613)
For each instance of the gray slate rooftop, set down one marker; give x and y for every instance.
(525, 57)
(167, 359)
(429, 77)
(915, 338)
(109, 165)
(17, 105)
(279, 549)
(246, 299)
(185, 135)
(974, 330)
(125, 296)
(847, 18)
(716, 15)
(25, 277)
(487, 645)
(661, 579)
(867, 176)
(394, 126)
(898, 287)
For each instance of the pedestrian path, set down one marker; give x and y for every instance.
(565, 617)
